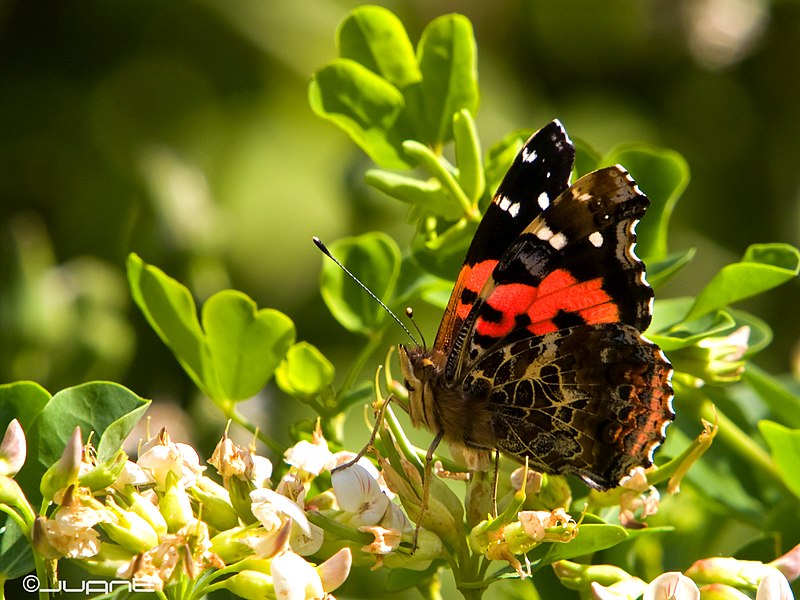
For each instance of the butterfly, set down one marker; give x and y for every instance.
(540, 353)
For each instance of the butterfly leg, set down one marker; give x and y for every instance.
(378, 422)
(426, 485)
(495, 480)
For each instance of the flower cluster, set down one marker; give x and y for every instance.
(718, 578)
(295, 533)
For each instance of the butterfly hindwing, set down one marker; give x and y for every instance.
(539, 173)
(591, 400)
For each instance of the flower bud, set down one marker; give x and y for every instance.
(429, 548)
(13, 450)
(175, 505)
(715, 360)
(216, 506)
(730, 571)
(230, 545)
(65, 471)
(97, 477)
(128, 529)
(251, 585)
(720, 591)
(12, 495)
(149, 512)
(577, 576)
(108, 561)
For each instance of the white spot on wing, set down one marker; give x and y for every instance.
(513, 210)
(504, 203)
(543, 200)
(558, 241)
(544, 233)
(528, 156)
(596, 239)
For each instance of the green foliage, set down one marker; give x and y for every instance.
(380, 93)
(235, 351)
(402, 106)
(785, 446)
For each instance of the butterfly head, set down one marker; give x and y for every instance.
(418, 368)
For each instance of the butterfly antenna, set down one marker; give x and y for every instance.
(326, 252)
(410, 315)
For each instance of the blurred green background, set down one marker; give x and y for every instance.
(181, 131)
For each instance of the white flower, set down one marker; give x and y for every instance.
(310, 457)
(270, 508)
(294, 578)
(671, 586)
(358, 493)
(71, 531)
(260, 470)
(160, 459)
(132, 474)
(774, 586)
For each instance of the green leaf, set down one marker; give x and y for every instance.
(763, 267)
(443, 254)
(16, 557)
(688, 333)
(591, 538)
(170, 309)
(501, 155)
(21, 400)
(468, 155)
(782, 402)
(662, 174)
(365, 106)
(448, 61)
(427, 195)
(375, 259)
(661, 271)
(246, 344)
(305, 372)
(442, 171)
(784, 443)
(374, 37)
(108, 409)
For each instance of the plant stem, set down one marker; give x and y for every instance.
(739, 441)
(235, 416)
(374, 341)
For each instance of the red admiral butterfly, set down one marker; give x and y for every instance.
(540, 353)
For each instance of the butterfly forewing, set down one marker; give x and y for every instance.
(540, 352)
(573, 264)
(539, 173)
